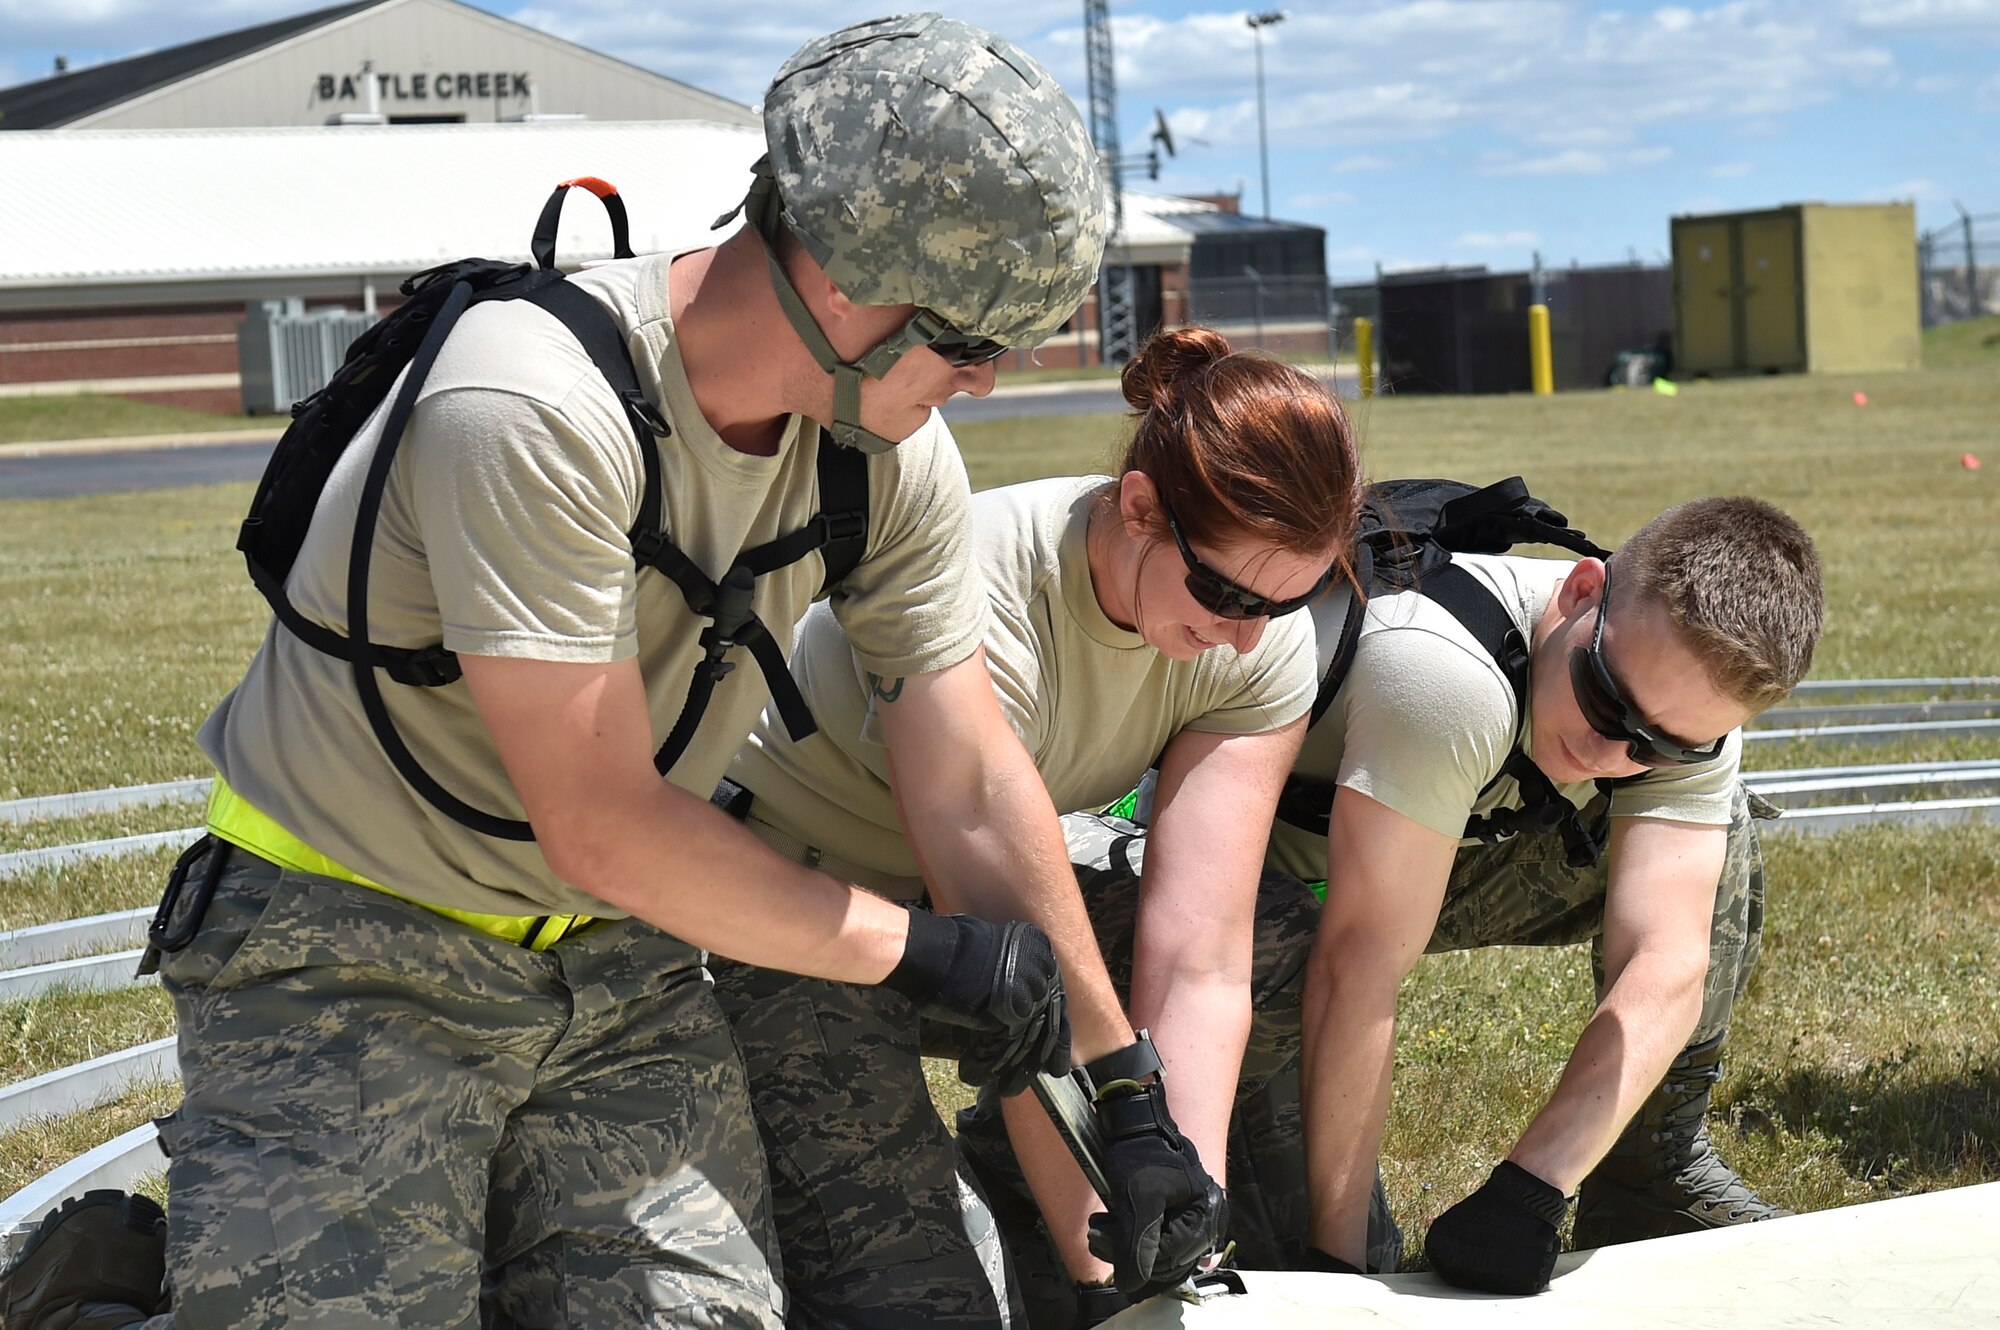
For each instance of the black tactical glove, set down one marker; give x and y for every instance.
(999, 981)
(1098, 1303)
(1317, 1258)
(1166, 1212)
(1504, 1237)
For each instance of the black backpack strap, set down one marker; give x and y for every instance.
(1350, 634)
(843, 506)
(594, 328)
(360, 657)
(839, 530)
(1307, 801)
(1543, 807)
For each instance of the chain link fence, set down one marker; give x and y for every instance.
(1959, 269)
(1283, 315)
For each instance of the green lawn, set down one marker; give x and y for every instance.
(42, 419)
(1971, 344)
(1863, 1062)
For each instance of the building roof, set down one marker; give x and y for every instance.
(146, 206)
(1216, 222)
(52, 102)
(134, 208)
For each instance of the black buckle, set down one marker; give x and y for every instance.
(845, 526)
(645, 413)
(426, 667)
(732, 609)
(646, 547)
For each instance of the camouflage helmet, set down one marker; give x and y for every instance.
(924, 161)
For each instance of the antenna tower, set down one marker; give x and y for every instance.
(1118, 338)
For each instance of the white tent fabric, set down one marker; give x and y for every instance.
(1929, 1262)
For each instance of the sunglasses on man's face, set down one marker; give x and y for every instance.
(1606, 711)
(1226, 599)
(962, 351)
(958, 349)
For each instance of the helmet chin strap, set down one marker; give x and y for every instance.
(760, 209)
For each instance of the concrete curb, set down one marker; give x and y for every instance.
(1326, 370)
(137, 443)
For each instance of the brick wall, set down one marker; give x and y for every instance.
(44, 345)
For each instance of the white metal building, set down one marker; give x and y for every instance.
(397, 61)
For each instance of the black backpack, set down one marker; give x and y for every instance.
(413, 334)
(1409, 531)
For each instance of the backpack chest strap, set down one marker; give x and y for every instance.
(1543, 808)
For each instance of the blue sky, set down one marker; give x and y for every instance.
(1417, 132)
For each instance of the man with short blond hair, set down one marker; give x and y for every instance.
(1635, 677)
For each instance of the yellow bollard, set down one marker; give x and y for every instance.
(1541, 360)
(1364, 352)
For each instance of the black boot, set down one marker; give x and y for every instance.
(105, 1249)
(1663, 1175)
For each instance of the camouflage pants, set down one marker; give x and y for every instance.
(877, 1226)
(1520, 892)
(393, 1120)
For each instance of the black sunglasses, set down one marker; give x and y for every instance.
(1607, 711)
(960, 350)
(1220, 596)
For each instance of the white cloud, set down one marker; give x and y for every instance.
(1366, 161)
(1929, 17)
(1333, 198)
(1575, 161)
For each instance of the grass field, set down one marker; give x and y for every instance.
(1864, 1061)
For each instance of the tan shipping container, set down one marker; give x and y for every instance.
(1824, 288)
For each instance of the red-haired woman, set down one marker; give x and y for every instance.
(1233, 507)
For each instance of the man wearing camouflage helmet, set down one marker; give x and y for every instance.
(434, 1075)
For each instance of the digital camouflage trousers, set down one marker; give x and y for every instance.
(1520, 892)
(391, 1119)
(877, 1226)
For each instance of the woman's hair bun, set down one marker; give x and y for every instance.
(1166, 361)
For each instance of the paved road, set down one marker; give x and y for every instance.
(213, 464)
(62, 475)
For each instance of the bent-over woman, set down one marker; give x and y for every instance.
(1147, 615)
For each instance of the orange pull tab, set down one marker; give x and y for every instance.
(604, 189)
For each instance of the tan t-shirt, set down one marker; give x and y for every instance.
(1092, 702)
(1426, 718)
(503, 529)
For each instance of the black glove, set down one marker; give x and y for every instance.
(1166, 1212)
(1317, 1258)
(1504, 1237)
(1098, 1303)
(999, 981)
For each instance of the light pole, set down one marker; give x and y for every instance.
(1259, 22)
